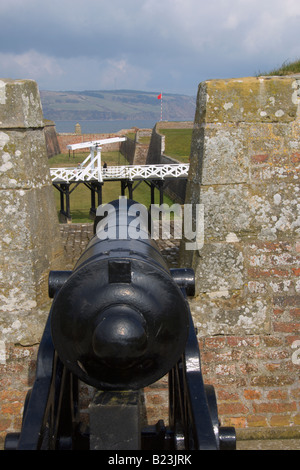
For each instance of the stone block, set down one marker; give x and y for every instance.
(219, 267)
(275, 210)
(227, 212)
(226, 157)
(227, 312)
(25, 222)
(22, 159)
(238, 212)
(23, 313)
(30, 239)
(250, 99)
(20, 104)
(245, 171)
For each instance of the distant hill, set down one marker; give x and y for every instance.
(115, 104)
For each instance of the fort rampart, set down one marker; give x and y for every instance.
(156, 155)
(30, 242)
(244, 170)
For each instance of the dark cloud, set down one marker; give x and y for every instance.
(168, 45)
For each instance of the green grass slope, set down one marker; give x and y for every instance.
(287, 68)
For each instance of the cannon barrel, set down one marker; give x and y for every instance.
(119, 321)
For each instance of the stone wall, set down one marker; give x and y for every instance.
(175, 189)
(127, 148)
(70, 139)
(30, 242)
(244, 169)
(52, 144)
(135, 151)
(140, 154)
(156, 147)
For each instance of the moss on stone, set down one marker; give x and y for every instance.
(251, 99)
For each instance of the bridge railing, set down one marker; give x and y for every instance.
(130, 172)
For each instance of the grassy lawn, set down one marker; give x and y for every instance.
(178, 143)
(131, 135)
(80, 199)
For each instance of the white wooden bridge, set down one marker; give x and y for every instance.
(91, 168)
(93, 175)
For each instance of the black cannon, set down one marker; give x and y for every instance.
(120, 321)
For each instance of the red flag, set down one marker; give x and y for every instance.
(159, 97)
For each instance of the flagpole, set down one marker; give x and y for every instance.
(160, 98)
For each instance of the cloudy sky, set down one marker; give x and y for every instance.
(151, 45)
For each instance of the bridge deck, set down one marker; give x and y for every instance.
(113, 173)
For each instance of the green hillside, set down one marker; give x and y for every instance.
(115, 104)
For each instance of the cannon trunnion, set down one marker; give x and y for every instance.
(119, 322)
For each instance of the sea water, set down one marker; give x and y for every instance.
(102, 127)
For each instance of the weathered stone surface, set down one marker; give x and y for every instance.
(26, 219)
(243, 211)
(220, 267)
(250, 99)
(52, 144)
(227, 312)
(20, 104)
(226, 157)
(22, 162)
(30, 240)
(245, 162)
